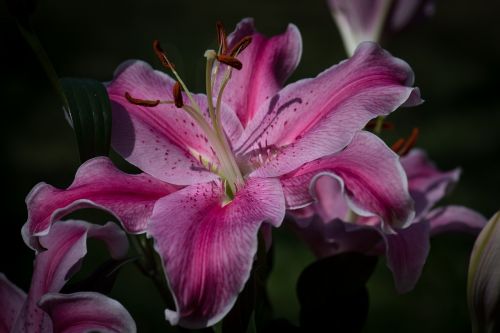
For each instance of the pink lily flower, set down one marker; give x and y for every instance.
(366, 20)
(226, 152)
(328, 229)
(44, 309)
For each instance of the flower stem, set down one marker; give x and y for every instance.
(378, 125)
(150, 266)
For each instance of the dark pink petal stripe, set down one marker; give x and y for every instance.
(267, 63)
(208, 246)
(315, 117)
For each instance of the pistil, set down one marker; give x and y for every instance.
(226, 157)
(228, 170)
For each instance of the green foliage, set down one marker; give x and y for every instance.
(89, 112)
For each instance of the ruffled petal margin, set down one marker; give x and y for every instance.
(371, 177)
(98, 184)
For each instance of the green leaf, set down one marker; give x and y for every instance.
(89, 114)
(251, 325)
(483, 285)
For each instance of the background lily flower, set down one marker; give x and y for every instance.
(44, 309)
(327, 229)
(366, 20)
(483, 285)
(225, 153)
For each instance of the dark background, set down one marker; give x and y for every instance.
(455, 55)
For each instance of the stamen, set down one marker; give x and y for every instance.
(168, 65)
(410, 142)
(224, 153)
(396, 146)
(230, 61)
(240, 46)
(141, 102)
(177, 92)
(403, 146)
(221, 37)
(162, 56)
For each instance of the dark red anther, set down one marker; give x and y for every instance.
(240, 46)
(161, 55)
(396, 146)
(403, 146)
(221, 36)
(176, 91)
(141, 102)
(230, 61)
(410, 142)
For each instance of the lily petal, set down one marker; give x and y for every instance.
(267, 63)
(483, 283)
(87, 312)
(406, 252)
(427, 183)
(359, 20)
(65, 248)
(163, 141)
(11, 301)
(372, 180)
(328, 238)
(330, 198)
(406, 11)
(312, 118)
(455, 218)
(99, 184)
(208, 247)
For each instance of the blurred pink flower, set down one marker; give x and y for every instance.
(44, 309)
(323, 225)
(366, 20)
